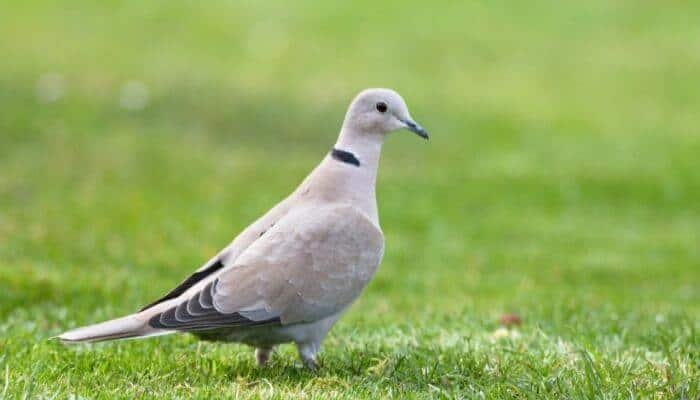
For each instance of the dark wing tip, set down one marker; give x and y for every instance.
(187, 283)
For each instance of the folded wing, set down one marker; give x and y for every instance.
(312, 264)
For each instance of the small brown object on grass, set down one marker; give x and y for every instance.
(509, 320)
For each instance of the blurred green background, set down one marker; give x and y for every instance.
(562, 184)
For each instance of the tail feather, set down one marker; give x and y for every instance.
(128, 327)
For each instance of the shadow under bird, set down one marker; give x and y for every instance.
(291, 274)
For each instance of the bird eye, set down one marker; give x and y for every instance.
(381, 107)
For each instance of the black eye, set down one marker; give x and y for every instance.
(381, 107)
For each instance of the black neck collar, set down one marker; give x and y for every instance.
(345, 157)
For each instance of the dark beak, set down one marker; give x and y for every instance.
(415, 128)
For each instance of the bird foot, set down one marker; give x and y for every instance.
(307, 353)
(311, 364)
(262, 355)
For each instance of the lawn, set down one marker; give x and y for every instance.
(561, 184)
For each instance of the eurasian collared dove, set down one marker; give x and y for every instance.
(290, 275)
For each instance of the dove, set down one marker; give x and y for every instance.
(291, 274)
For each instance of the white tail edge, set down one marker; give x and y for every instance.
(128, 327)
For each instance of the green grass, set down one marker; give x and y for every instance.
(562, 184)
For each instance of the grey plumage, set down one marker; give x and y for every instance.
(291, 274)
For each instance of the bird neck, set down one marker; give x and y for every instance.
(348, 174)
(365, 147)
(357, 179)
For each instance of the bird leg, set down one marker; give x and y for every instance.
(307, 353)
(262, 355)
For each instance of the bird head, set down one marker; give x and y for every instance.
(380, 111)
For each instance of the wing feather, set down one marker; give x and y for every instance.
(311, 264)
(188, 283)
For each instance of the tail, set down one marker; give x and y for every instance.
(129, 327)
